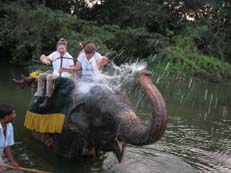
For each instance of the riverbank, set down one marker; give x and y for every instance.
(182, 58)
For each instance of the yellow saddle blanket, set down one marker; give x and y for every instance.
(44, 123)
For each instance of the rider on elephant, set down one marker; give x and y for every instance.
(89, 62)
(59, 58)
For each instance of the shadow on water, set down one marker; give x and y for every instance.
(197, 138)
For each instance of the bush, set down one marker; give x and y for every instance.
(138, 43)
(183, 57)
(28, 32)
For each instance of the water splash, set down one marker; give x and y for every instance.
(158, 80)
(119, 76)
(182, 98)
(205, 116)
(206, 93)
(215, 106)
(224, 112)
(210, 102)
(166, 67)
(190, 83)
(115, 77)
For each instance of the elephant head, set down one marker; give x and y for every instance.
(109, 123)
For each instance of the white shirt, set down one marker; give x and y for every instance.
(67, 61)
(7, 140)
(89, 67)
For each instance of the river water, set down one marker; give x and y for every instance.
(197, 138)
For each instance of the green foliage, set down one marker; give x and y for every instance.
(25, 30)
(149, 14)
(124, 31)
(170, 17)
(137, 43)
(210, 41)
(210, 24)
(29, 32)
(183, 57)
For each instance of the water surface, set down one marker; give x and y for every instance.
(197, 138)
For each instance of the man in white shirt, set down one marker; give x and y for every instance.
(58, 59)
(7, 115)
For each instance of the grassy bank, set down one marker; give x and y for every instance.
(183, 57)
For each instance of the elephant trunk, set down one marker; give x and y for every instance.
(136, 133)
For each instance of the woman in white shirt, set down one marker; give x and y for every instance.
(89, 62)
(59, 58)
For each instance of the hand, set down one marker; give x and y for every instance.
(104, 60)
(45, 59)
(47, 62)
(61, 70)
(14, 164)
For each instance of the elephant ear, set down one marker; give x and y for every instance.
(78, 122)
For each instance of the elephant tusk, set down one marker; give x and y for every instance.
(120, 144)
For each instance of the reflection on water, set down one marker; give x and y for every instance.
(197, 138)
(147, 159)
(199, 125)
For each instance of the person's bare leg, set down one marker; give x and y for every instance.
(50, 84)
(49, 90)
(41, 84)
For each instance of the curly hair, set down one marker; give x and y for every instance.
(5, 109)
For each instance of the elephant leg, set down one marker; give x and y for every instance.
(89, 151)
(44, 138)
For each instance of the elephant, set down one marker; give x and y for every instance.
(100, 119)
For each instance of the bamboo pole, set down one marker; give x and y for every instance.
(21, 168)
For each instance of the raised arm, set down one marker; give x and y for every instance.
(102, 62)
(45, 59)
